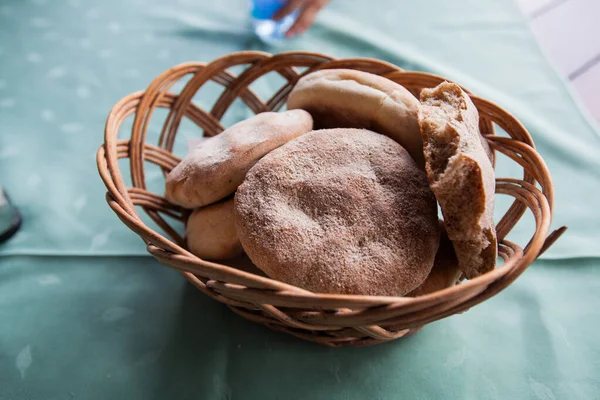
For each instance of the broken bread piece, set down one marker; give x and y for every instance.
(460, 174)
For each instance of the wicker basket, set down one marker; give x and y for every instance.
(333, 320)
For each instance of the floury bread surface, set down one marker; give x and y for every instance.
(339, 211)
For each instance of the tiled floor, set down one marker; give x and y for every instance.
(569, 32)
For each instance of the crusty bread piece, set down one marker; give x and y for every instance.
(211, 233)
(345, 98)
(460, 175)
(445, 271)
(339, 211)
(214, 169)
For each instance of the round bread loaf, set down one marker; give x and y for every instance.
(345, 98)
(217, 166)
(211, 233)
(339, 211)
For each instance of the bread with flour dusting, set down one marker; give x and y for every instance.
(339, 211)
(217, 166)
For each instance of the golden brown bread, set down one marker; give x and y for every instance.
(217, 166)
(343, 98)
(460, 174)
(211, 233)
(339, 211)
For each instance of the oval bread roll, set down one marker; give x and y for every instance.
(339, 211)
(217, 166)
(345, 98)
(460, 174)
(211, 233)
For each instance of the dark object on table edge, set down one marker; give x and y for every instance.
(10, 218)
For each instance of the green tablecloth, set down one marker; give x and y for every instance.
(84, 314)
(115, 328)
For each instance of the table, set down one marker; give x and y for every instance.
(85, 313)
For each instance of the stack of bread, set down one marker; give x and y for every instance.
(340, 193)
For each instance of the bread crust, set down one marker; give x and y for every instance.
(445, 272)
(211, 233)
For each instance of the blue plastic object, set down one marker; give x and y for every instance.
(264, 27)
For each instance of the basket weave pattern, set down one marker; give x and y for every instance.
(333, 320)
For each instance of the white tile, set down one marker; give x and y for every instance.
(588, 88)
(529, 6)
(570, 33)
